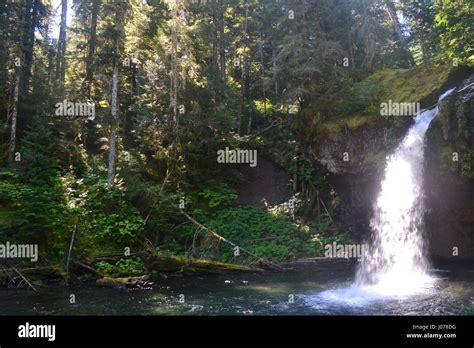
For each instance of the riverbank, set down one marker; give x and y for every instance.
(86, 271)
(164, 269)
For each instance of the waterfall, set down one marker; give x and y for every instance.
(394, 262)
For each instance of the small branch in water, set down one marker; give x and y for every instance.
(24, 278)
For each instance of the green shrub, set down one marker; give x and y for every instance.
(218, 197)
(266, 234)
(123, 267)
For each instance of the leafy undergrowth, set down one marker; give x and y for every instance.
(123, 267)
(267, 234)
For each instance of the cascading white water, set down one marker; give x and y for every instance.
(394, 263)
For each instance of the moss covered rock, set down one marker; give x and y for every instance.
(449, 175)
(350, 136)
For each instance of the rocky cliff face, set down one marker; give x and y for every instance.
(353, 149)
(449, 175)
(355, 162)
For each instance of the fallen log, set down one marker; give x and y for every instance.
(180, 264)
(142, 282)
(87, 268)
(175, 264)
(118, 256)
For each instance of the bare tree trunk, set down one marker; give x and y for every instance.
(114, 104)
(318, 206)
(215, 74)
(92, 45)
(222, 44)
(249, 126)
(50, 68)
(349, 37)
(173, 92)
(392, 13)
(369, 40)
(61, 57)
(14, 116)
(30, 19)
(262, 62)
(174, 76)
(215, 48)
(243, 82)
(113, 133)
(14, 49)
(425, 53)
(275, 74)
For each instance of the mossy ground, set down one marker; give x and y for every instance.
(359, 105)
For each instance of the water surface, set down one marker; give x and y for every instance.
(316, 290)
